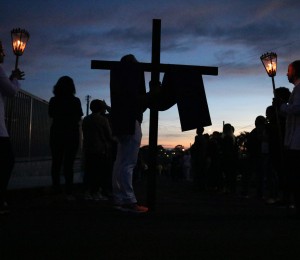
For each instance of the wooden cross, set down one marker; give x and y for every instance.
(155, 67)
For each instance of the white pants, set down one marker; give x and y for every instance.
(127, 155)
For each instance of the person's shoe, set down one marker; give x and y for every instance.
(134, 208)
(98, 196)
(88, 196)
(270, 201)
(117, 206)
(4, 208)
(291, 206)
(70, 197)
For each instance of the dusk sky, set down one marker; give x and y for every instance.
(231, 35)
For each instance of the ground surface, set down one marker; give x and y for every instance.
(186, 224)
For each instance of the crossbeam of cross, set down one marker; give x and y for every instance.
(155, 67)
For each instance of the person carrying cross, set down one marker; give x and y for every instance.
(128, 102)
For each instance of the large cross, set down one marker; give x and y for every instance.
(155, 67)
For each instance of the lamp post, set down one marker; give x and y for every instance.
(19, 39)
(269, 60)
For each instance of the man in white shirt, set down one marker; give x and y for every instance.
(292, 132)
(8, 88)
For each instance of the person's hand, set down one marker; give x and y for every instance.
(17, 74)
(107, 107)
(155, 86)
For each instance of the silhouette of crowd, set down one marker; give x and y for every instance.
(261, 163)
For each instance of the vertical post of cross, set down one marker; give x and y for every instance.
(153, 126)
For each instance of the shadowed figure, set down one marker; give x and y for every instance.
(291, 111)
(66, 112)
(229, 158)
(128, 97)
(258, 149)
(276, 132)
(199, 159)
(97, 147)
(8, 88)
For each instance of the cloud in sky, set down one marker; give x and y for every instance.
(67, 35)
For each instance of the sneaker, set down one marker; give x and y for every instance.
(270, 201)
(133, 208)
(98, 196)
(117, 206)
(4, 209)
(88, 196)
(291, 206)
(70, 197)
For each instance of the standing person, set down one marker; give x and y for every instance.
(229, 158)
(187, 166)
(66, 112)
(128, 95)
(258, 149)
(199, 159)
(276, 132)
(8, 88)
(97, 146)
(215, 178)
(292, 132)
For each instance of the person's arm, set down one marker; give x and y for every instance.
(79, 112)
(8, 87)
(107, 131)
(107, 107)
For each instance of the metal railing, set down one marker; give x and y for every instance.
(28, 125)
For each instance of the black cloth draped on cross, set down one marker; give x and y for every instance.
(184, 87)
(129, 99)
(128, 94)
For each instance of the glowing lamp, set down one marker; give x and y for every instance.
(269, 61)
(19, 39)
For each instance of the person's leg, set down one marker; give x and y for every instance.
(87, 178)
(96, 172)
(105, 175)
(71, 148)
(295, 177)
(57, 152)
(6, 163)
(127, 155)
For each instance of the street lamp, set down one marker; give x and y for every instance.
(19, 38)
(269, 60)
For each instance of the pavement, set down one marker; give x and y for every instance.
(37, 173)
(185, 224)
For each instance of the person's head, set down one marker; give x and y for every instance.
(270, 114)
(293, 71)
(97, 106)
(2, 54)
(260, 121)
(200, 130)
(216, 134)
(283, 93)
(64, 87)
(129, 58)
(228, 129)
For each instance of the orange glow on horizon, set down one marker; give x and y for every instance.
(186, 139)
